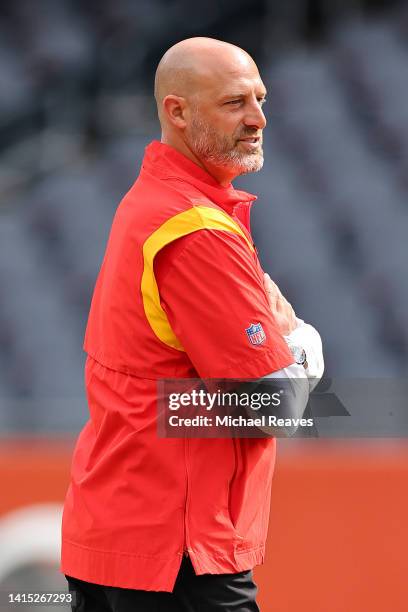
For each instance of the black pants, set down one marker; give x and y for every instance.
(206, 593)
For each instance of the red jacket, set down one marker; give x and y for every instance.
(179, 285)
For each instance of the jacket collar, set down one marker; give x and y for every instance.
(166, 162)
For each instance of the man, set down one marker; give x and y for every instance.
(178, 524)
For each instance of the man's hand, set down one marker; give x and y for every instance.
(282, 311)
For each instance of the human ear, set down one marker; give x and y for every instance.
(174, 108)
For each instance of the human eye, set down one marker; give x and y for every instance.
(262, 100)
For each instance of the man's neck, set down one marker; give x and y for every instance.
(218, 173)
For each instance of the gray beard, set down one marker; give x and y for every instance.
(207, 145)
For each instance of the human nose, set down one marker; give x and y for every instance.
(255, 116)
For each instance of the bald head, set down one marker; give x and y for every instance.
(195, 64)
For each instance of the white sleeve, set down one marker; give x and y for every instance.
(292, 371)
(306, 336)
(298, 388)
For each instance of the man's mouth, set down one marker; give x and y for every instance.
(253, 139)
(251, 142)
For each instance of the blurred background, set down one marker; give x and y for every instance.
(331, 225)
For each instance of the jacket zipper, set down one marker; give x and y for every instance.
(245, 223)
(245, 216)
(185, 543)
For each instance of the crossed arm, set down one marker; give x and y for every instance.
(211, 291)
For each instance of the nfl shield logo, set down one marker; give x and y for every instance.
(255, 333)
